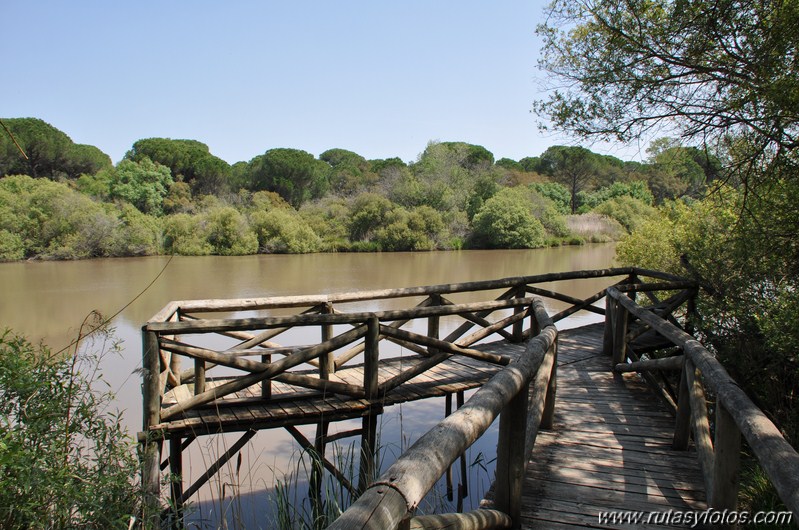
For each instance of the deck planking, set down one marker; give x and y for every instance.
(609, 449)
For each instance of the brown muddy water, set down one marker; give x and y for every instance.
(48, 301)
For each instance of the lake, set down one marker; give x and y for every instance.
(48, 301)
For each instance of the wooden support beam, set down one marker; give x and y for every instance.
(366, 470)
(272, 369)
(511, 456)
(682, 421)
(308, 446)
(700, 425)
(176, 478)
(650, 365)
(327, 365)
(152, 392)
(727, 461)
(620, 321)
(216, 466)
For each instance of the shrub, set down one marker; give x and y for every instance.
(185, 234)
(229, 232)
(282, 230)
(628, 211)
(65, 462)
(506, 221)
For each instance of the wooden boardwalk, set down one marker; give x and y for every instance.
(609, 450)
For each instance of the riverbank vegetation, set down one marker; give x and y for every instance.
(723, 76)
(67, 201)
(65, 459)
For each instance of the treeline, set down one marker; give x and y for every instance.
(60, 200)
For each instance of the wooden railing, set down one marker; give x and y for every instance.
(735, 413)
(347, 337)
(396, 493)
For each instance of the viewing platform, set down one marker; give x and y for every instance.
(606, 417)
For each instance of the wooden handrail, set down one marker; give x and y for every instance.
(248, 304)
(398, 491)
(778, 458)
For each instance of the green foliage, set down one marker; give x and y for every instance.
(185, 234)
(11, 246)
(369, 212)
(192, 160)
(419, 229)
(329, 218)
(557, 193)
(144, 184)
(228, 232)
(294, 174)
(750, 312)
(576, 168)
(634, 66)
(506, 221)
(282, 230)
(55, 222)
(65, 461)
(509, 163)
(635, 189)
(628, 211)
(50, 152)
(350, 173)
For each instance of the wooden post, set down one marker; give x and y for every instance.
(266, 384)
(462, 492)
(317, 470)
(368, 442)
(447, 412)
(607, 338)
(690, 315)
(371, 357)
(682, 422)
(518, 327)
(511, 456)
(700, 426)
(620, 318)
(434, 323)
(174, 360)
(199, 376)
(548, 417)
(176, 479)
(151, 406)
(726, 464)
(326, 361)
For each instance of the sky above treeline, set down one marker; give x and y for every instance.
(378, 78)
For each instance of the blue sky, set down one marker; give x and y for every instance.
(379, 78)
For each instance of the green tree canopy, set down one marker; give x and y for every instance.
(295, 174)
(708, 70)
(576, 168)
(349, 173)
(50, 152)
(204, 172)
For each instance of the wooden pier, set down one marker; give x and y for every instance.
(607, 417)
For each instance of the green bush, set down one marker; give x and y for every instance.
(283, 231)
(507, 221)
(185, 234)
(228, 232)
(627, 210)
(65, 462)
